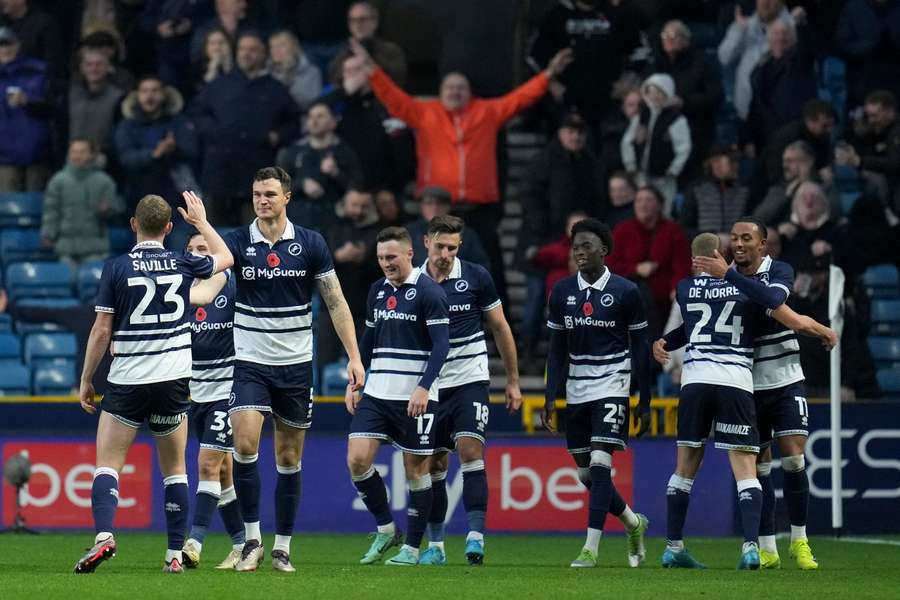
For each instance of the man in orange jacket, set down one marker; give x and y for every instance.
(456, 141)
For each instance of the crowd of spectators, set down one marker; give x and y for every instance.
(664, 118)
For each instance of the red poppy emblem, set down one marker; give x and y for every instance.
(392, 303)
(200, 315)
(587, 309)
(273, 260)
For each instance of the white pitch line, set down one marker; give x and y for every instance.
(859, 540)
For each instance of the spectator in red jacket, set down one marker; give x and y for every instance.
(652, 251)
(456, 142)
(555, 258)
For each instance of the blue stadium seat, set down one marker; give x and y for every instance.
(88, 280)
(35, 279)
(882, 281)
(43, 349)
(334, 379)
(833, 86)
(14, 380)
(665, 386)
(886, 317)
(5, 323)
(23, 328)
(847, 179)
(889, 381)
(21, 209)
(17, 245)
(10, 349)
(121, 240)
(885, 350)
(54, 380)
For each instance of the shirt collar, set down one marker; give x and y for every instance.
(597, 285)
(411, 279)
(455, 270)
(765, 265)
(147, 244)
(256, 235)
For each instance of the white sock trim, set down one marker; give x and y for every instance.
(251, 531)
(369, 473)
(175, 479)
(474, 465)
(421, 484)
(798, 532)
(287, 470)
(213, 488)
(601, 458)
(227, 496)
(244, 459)
(389, 528)
(767, 543)
(763, 469)
(592, 542)
(283, 543)
(106, 471)
(793, 464)
(439, 476)
(748, 484)
(681, 483)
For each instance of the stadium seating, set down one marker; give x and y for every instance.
(50, 349)
(54, 380)
(848, 199)
(88, 280)
(121, 240)
(889, 381)
(23, 328)
(21, 209)
(35, 279)
(882, 281)
(886, 317)
(5, 323)
(14, 380)
(885, 351)
(334, 379)
(10, 349)
(17, 245)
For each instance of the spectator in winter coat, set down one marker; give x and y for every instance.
(289, 65)
(456, 142)
(563, 178)
(697, 87)
(744, 44)
(155, 144)
(718, 200)
(362, 23)
(79, 202)
(384, 144)
(321, 166)
(651, 250)
(39, 36)
(815, 128)
(619, 204)
(798, 166)
(868, 37)
(657, 144)
(782, 82)
(94, 100)
(242, 118)
(24, 114)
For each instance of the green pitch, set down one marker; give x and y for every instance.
(516, 567)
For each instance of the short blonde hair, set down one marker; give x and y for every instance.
(152, 215)
(705, 244)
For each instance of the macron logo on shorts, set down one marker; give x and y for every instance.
(733, 429)
(173, 507)
(166, 419)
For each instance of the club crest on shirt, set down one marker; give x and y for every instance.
(606, 300)
(295, 249)
(272, 260)
(221, 301)
(410, 294)
(461, 285)
(764, 277)
(392, 302)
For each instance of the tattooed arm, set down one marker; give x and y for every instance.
(330, 289)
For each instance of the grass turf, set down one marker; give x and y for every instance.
(516, 567)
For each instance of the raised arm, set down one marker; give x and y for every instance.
(196, 215)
